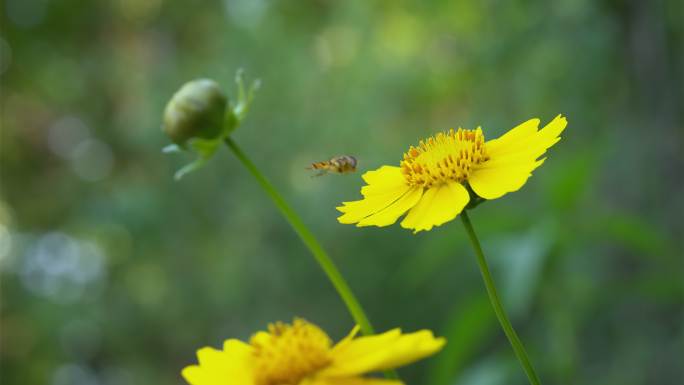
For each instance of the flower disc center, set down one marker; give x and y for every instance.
(447, 156)
(288, 353)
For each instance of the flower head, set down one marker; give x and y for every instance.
(432, 180)
(199, 117)
(196, 110)
(302, 354)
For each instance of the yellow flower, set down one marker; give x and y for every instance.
(433, 178)
(302, 354)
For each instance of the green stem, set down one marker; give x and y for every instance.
(323, 259)
(309, 240)
(517, 345)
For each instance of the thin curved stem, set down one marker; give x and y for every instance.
(512, 336)
(309, 240)
(323, 259)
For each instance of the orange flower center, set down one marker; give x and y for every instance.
(447, 156)
(286, 354)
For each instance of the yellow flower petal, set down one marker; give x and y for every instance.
(492, 183)
(213, 365)
(438, 205)
(513, 157)
(381, 180)
(195, 375)
(237, 349)
(360, 355)
(385, 186)
(381, 352)
(550, 134)
(217, 365)
(211, 358)
(412, 347)
(365, 343)
(357, 210)
(344, 341)
(517, 134)
(391, 213)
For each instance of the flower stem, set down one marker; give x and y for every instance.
(309, 240)
(323, 259)
(517, 345)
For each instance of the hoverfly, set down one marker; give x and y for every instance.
(342, 164)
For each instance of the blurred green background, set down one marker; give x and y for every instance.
(112, 273)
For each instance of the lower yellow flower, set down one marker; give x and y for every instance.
(303, 354)
(431, 181)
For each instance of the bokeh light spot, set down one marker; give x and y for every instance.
(62, 268)
(66, 134)
(92, 160)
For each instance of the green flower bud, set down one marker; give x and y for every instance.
(197, 110)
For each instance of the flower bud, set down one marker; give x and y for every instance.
(197, 110)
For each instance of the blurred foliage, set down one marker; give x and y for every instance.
(112, 273)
